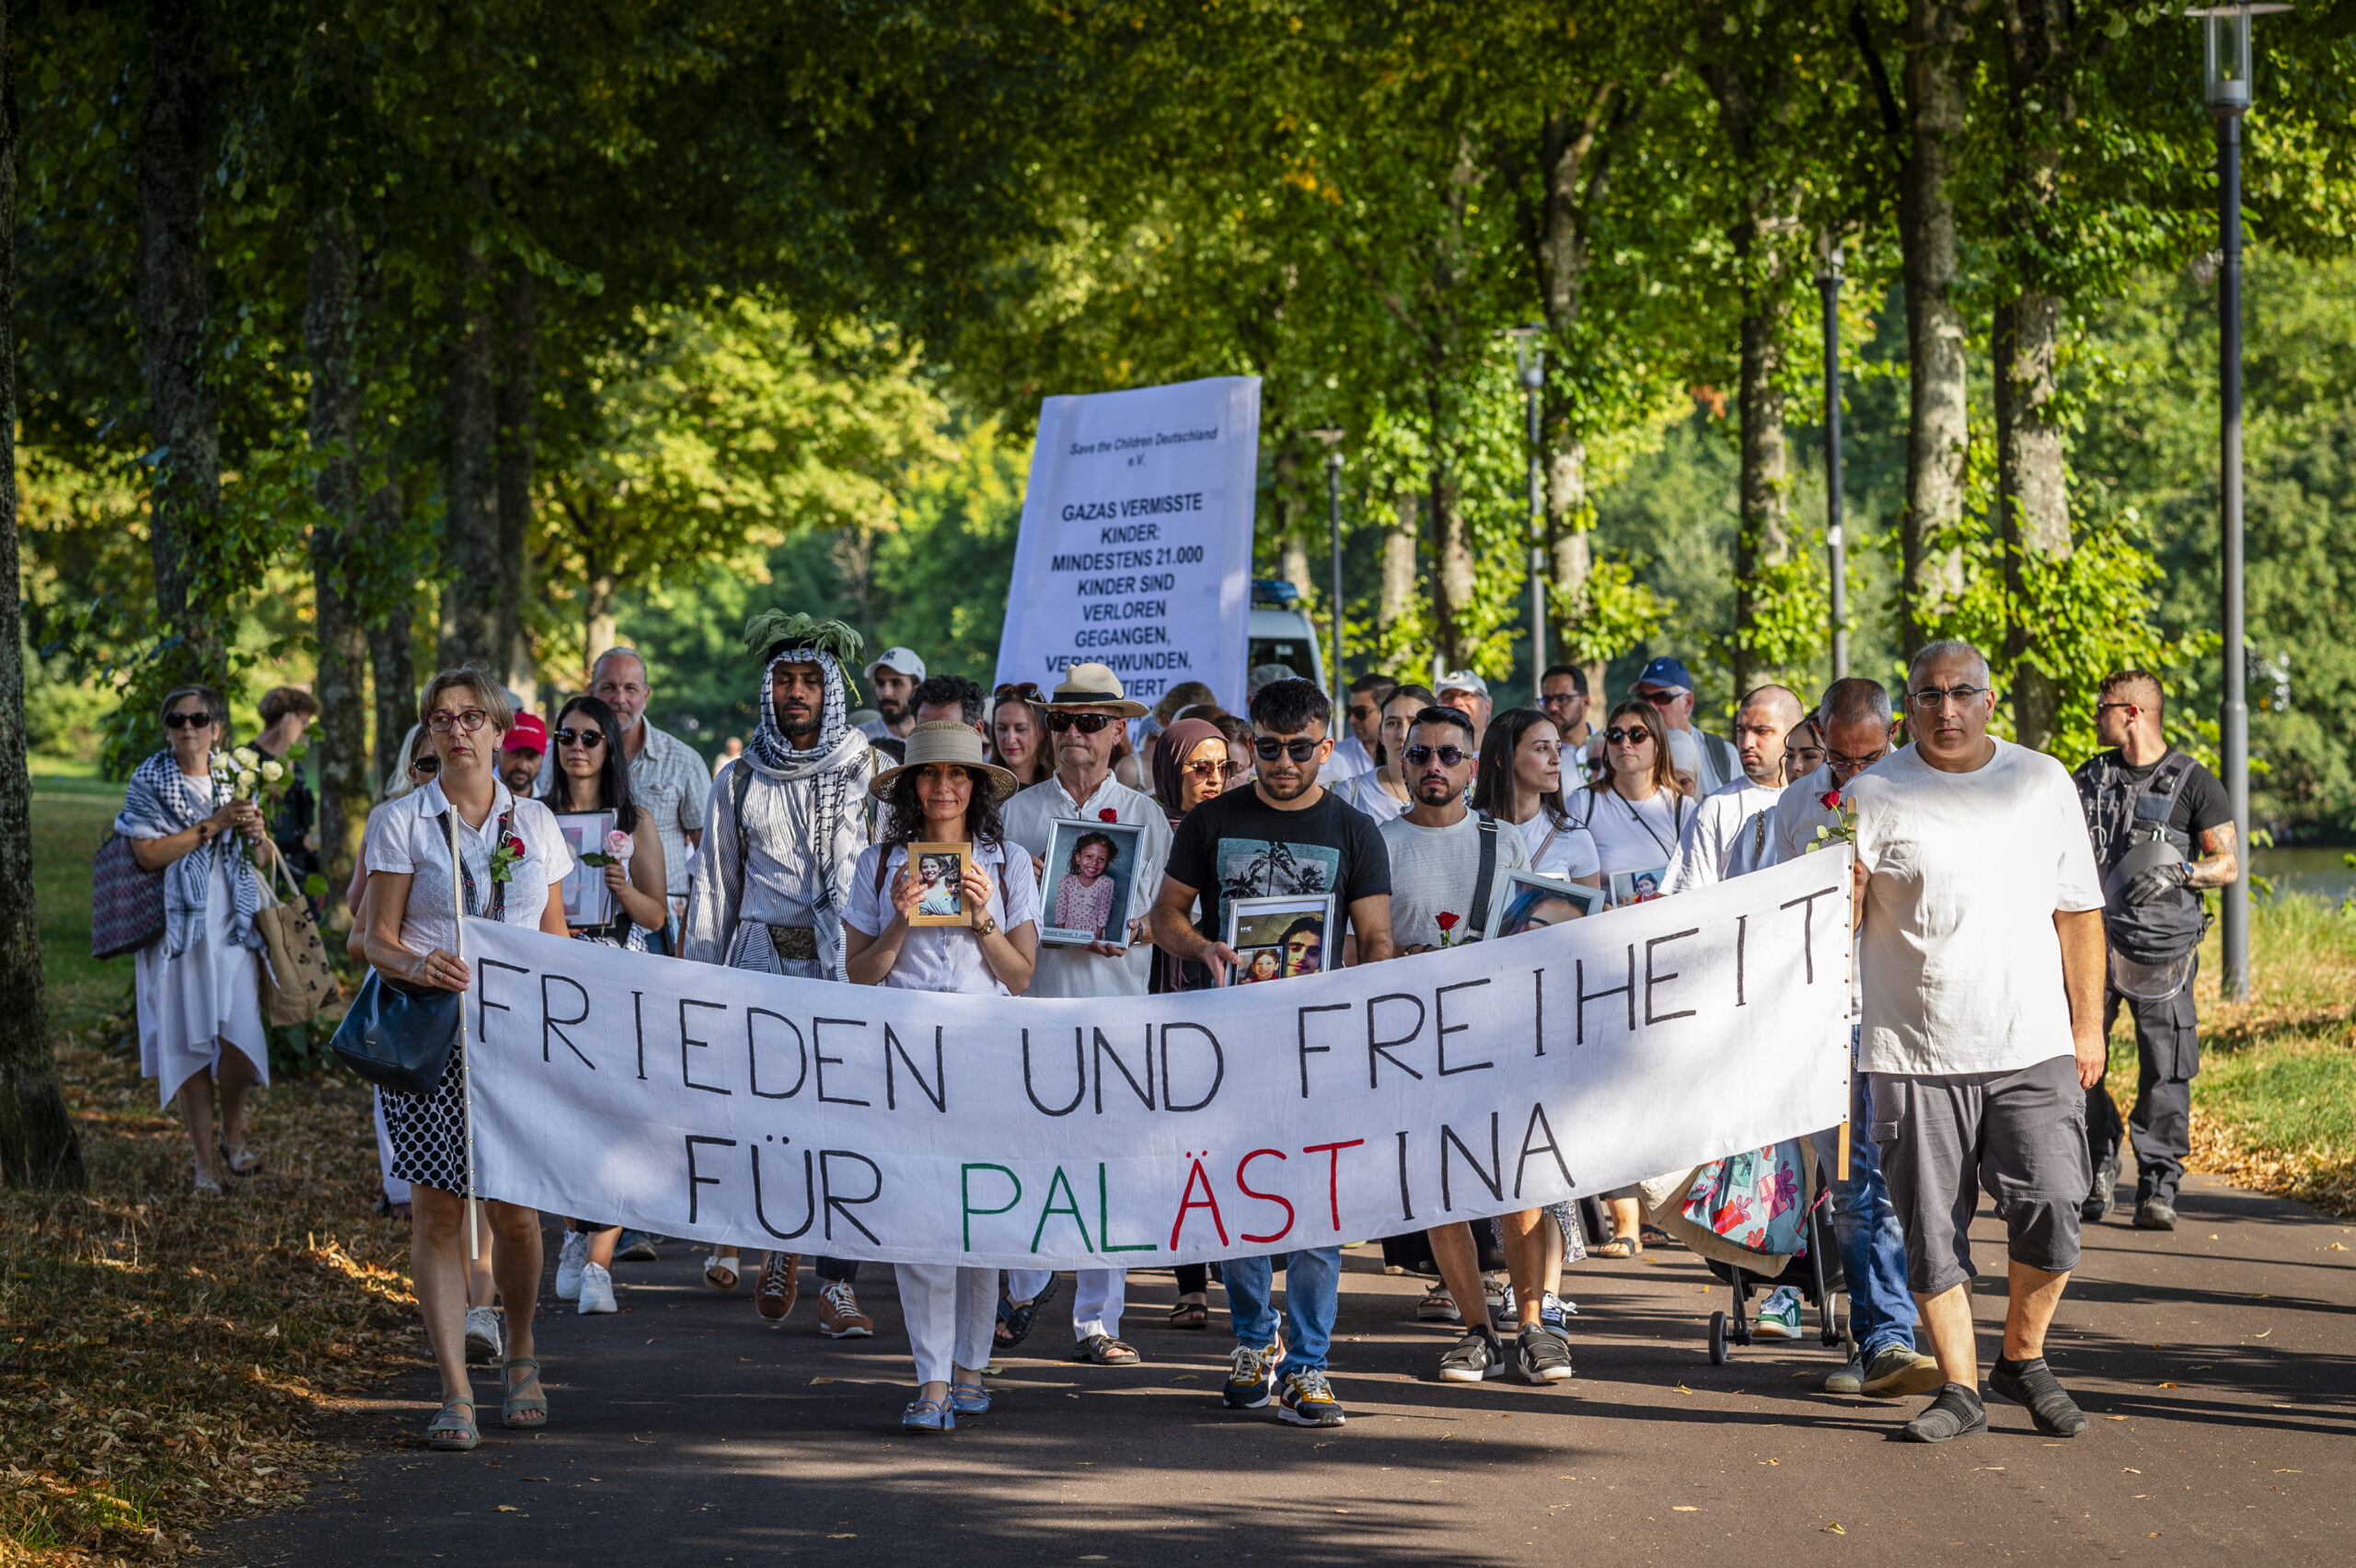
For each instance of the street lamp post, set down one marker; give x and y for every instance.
(1332, 437)
(1529, 362)
(1828, 281)
(2225, 87)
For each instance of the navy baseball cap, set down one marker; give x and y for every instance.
(1666, 671)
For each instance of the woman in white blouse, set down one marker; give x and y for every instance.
(510, 859)
(1520, 781)
(944, 793)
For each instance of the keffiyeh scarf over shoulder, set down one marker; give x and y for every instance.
(162, 801)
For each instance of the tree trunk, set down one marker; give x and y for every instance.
(38, 1144)
(598, 620)
(1298, 573)
(1451, 563)
(392, 656)
(1398, 564)
(1937, 75)
(1762, 532)
(183, 406)
(471, 612)
(518, 432)
(330, 320)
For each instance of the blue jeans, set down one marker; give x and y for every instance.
(1313, 1294)
(1865, 1226)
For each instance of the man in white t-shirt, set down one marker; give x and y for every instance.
(1728, 835)
(1980, 948)
(1085, 717)
(1449, 880)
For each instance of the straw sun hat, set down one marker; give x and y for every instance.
(1095, 686)
(945, 740)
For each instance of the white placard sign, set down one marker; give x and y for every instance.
(718, 1105)
(1136, 549)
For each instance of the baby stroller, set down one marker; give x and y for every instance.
(1716, 1211)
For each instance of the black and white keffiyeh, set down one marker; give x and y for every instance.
(162, 800)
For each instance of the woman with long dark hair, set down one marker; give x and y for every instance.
(593, 775)
(1520, 781)
(944, 793)
(1019, 734)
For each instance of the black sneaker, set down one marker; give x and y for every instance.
(1309, 1400)
(1477, 1357)
(1956, 1413)
(2033, 1384)
(2156, 1213)
(2097, 1202)
(1542, 1355)
(1252, 1376)
(636, 1247)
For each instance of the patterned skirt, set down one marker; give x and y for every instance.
(428, 1132)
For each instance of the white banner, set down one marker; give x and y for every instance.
(1136, 549)
(716, 1105)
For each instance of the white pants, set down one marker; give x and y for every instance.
(949, 1313)
(1096, 1304)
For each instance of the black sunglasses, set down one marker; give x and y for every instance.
(587, 740)
(428, 764)
(1086, 723)
(182, 720)
(1024, 691)
(1300, 748)
(1450, 756)
(1620, 737)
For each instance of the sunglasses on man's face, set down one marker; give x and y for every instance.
(184, 720)
(1361, 711)
(1620, 737)
(1301, 748)
(1086, 723)
(587, 740)
(1421, 757)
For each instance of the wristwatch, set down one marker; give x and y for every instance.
(985, 926)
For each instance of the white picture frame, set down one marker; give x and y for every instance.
(1262, 929)
(1115, 887)
(1533, 903)
(587, 899)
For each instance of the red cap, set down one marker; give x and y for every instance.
(529, 732)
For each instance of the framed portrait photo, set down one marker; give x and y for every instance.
(1091, 884)
(587, 899)
(1639, 887)
(1280, 937)
(1533, 903)
(941, 874)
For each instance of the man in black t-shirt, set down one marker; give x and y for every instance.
(1287, 835)
(2140, 795)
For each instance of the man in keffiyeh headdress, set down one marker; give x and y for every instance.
(782, 830)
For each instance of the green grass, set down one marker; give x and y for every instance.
(70, 816)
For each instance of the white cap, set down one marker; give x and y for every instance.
(900, 662)
(1462, 680)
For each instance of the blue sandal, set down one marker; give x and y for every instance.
(928, 1415)
(521, 1408)
(451, 1432)
(969, 1399)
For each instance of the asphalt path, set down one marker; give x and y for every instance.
(2218, 1363)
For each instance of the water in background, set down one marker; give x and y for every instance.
(2323, 872)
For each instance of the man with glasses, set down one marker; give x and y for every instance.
(1354, 753)
(2146, 804)
(1562, 697)
(1729, 833)
(1667, 686)
(1855, 717)
(1287, 834)
(1085, 716)
(666, 777)
(1465, 691)
(1981, 949)
(1448, 861)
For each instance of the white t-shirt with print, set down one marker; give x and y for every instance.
(945, 958)
(1434, 871)
(1960, 963)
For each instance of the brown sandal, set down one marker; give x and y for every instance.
(1104, 1350)
(1191, 1315)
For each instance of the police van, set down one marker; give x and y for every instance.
(1281, 632)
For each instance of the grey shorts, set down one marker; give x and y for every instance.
(2020, 1135)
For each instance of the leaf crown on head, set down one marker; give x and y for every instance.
(768, 633)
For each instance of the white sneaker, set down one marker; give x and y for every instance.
(597, 1291)
(568, 1264)
(1779, 1315)
(483, 1335)
(1501, 1298)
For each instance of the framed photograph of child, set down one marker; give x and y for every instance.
(1533, 903)
(587, 899)
(941, 873)
(1279, 937)
(1638, 887)
(1091, 888)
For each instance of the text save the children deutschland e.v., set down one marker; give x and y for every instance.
(718, 1105)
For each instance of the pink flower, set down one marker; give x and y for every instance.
(1108, 815)
(618, 843)
(1830, 800)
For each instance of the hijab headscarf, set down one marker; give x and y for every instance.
(1171, 750)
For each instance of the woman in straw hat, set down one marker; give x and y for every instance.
(944, 793)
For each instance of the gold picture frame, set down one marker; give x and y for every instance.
(940, 866)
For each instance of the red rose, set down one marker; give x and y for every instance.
(1108, 815)
(514, 846)
(1830, 800)
(1445, 922)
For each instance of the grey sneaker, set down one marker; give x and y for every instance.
(2097, 1202)
(483, 1338)
(636, 1247)
(1542, 1356)
(1477, 1357)
(1850, 1379)
(1898, 1371)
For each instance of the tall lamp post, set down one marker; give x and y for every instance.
(1331, 436)
(2225, 87)
(1529, 363)
(1828, 281)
